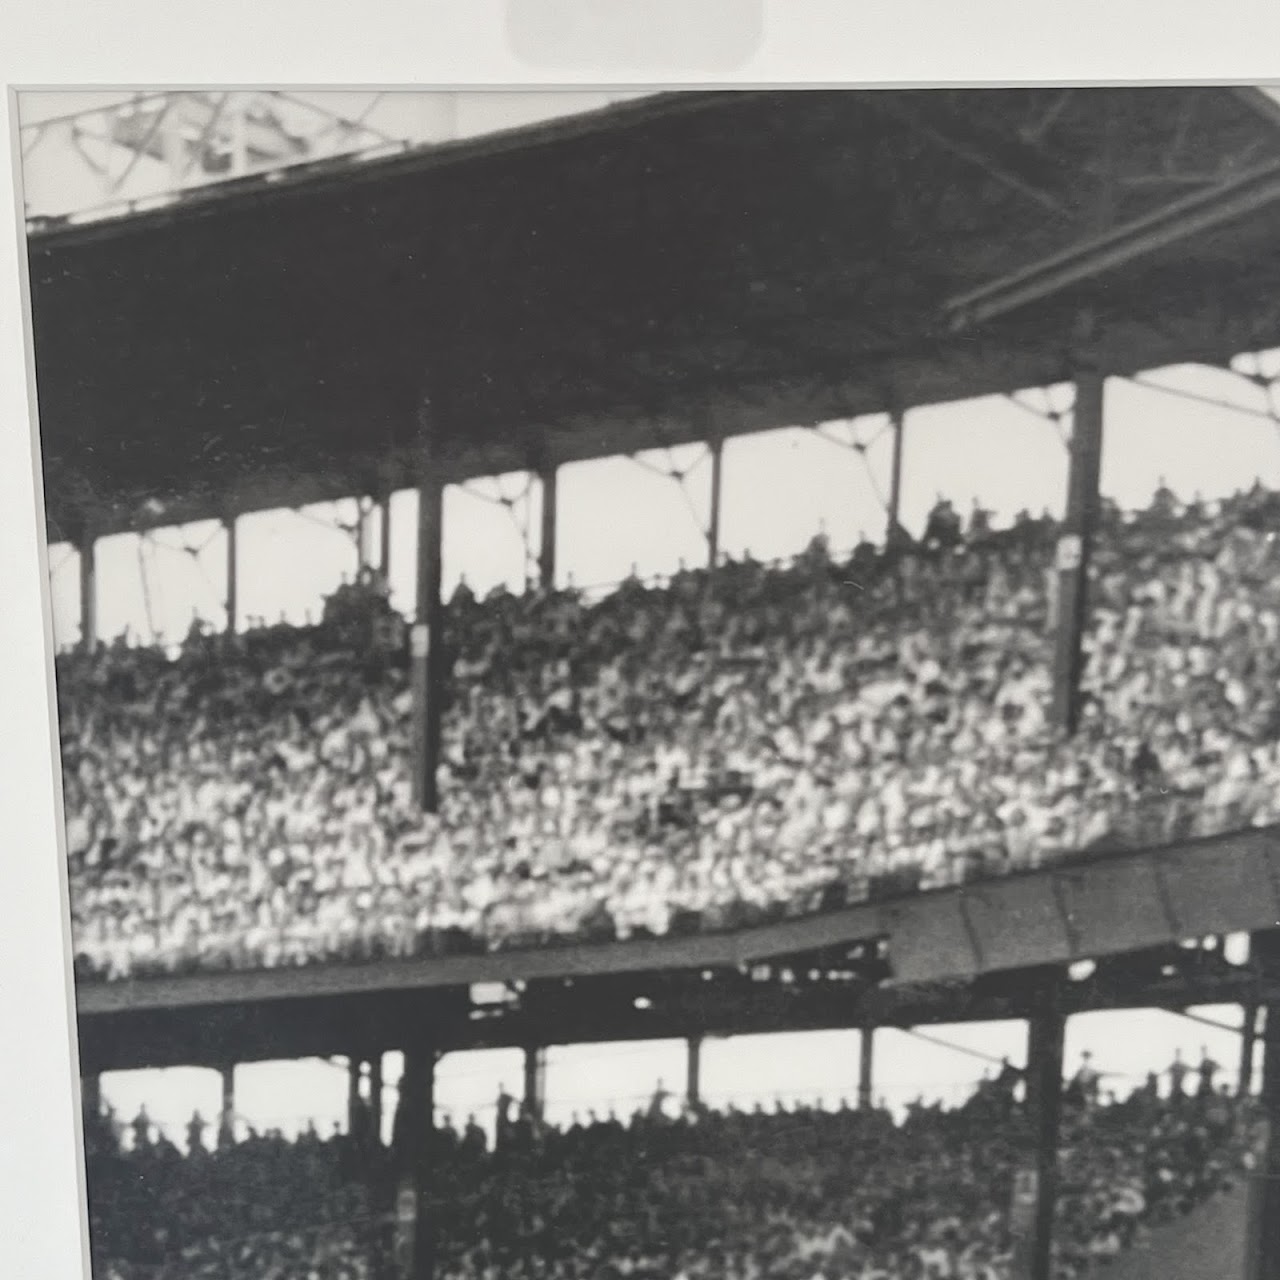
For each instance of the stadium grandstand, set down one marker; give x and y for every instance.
(964, 769)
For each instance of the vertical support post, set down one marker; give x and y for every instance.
(362, 533)
(716, 446)
(1263, 1235)
(1248, 1048)
(1035, 1188)
(550, 517)
(693, 1074)
(898, 424)
(384, 536)
(227, 1119)
(424, 1252)
(233, 572)
(535, 1081)
(353, 1095)
(375, 1098)
(88, 591)
(427, 651)
(866, 1080)
(91, 1094)
(1075, 545)
(415, 1225)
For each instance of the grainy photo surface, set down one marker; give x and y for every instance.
(668, 686)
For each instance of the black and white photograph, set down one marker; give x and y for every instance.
(674, 684)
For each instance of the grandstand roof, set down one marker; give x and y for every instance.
(681, 265)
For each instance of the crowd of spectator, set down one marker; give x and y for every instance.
(263, 1207)
(732, 746)
(799, 1194)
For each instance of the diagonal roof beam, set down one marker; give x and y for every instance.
(1194, 215)
(1016, 164)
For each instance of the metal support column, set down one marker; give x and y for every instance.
(362, 534)
(415, 1211)
(866, 1055)
(893, 528)
(88, 591)
(717, 483)
(1263, 1236)
(233, 608)
(353, 1095)
(1074, 546)
(427, 651)
(375, 1098)
(550, 517)
(1248, 1046)
(535, 1081)
(1035, 1186)
(384, 536)
(693, 1074)
(227, 1118)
